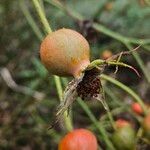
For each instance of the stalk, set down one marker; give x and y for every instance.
(48, 30)
(127, 89)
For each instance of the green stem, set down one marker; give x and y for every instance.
(147, 47)
(97, 26)
(118, 36)
(139, 61)
(48, 30)
(108, 32)
(110, 117)
(106, 106)
(127, 89)
(99, 62)
(58, 87)
(101, 5)
(126, 41)
(114, 112)
(30, 20)
(42, 16)
(112, 96)
(97, 124)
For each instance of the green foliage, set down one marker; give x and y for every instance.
(23, 118)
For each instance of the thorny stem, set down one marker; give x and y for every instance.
(48, 30)
(127, 89)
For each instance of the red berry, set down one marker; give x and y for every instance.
(79, 139)
(136, 107)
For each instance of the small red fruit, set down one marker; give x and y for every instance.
(79, 139)
(121, 123)
(136, 107)
(65, 52)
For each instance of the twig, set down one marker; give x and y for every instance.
(123, 53)
(5, 74)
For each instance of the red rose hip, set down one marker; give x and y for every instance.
(136, 107)
(79, 139)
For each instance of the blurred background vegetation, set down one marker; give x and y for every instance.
(28, 96)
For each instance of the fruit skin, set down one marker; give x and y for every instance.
(65, 52)
(137, 108)
(79, 139)
(146, 126)
(124, 138)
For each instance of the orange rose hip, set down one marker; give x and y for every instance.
(79, 139)
(65, 52)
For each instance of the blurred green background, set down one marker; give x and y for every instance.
(28, 96)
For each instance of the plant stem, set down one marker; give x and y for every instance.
(42, 16)
(109, 114)
(97, 124)
(30, 20)
(126, 41)
(112, 96)
(140, 62)
(127, 89)
(48, 30)
(72, 13)
(118, 36)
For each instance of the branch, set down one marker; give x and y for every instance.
(5, 74)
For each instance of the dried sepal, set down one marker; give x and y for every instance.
(69, 96)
